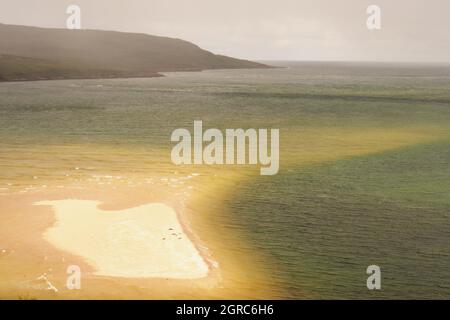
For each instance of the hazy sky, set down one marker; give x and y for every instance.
(411, 30)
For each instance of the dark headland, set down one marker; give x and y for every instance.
(30, 53)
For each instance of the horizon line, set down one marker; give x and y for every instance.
(412, 62)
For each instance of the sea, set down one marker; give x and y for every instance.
(364, 174)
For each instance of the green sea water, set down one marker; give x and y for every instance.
(320, 223)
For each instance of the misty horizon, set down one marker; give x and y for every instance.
(411, 31)
(399, 63)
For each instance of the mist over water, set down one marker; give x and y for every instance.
(364, 165)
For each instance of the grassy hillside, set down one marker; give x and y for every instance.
(29, 53)
(13, 68)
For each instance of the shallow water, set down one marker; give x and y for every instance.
(363, 177)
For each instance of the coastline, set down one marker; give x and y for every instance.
(158, 74)
(30, 256)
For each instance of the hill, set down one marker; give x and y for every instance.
(30, 53)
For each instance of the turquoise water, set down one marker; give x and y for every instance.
(320, 223)
(332, 221)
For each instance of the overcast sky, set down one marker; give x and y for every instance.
(411, 30)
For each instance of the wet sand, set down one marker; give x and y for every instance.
(140, 242)
(116, 259)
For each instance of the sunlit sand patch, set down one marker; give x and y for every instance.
(144, 241)
(319, 145)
